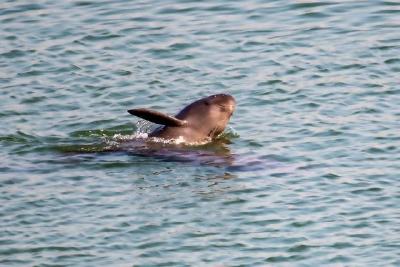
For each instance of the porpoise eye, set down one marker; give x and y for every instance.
(206, 103)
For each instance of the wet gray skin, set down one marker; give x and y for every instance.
(200, 121)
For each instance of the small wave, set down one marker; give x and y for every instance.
(144, 128)
(140, 136)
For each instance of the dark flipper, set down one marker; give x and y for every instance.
(157, 117)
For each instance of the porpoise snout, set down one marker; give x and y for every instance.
(229, 103)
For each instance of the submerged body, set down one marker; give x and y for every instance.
(199, 122)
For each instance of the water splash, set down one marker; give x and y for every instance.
(144, 127)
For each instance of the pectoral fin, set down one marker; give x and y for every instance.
(157, 117)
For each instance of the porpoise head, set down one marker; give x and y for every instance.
(209, 115)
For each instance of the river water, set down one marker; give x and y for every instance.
(306, 174)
